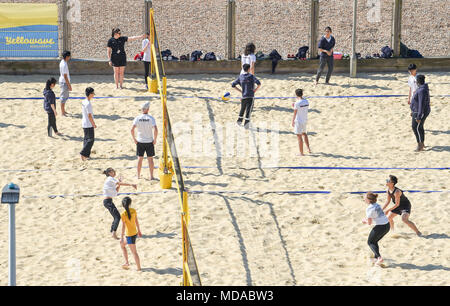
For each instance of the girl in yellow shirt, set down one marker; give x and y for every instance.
(130, 225)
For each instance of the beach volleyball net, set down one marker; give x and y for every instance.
(170, 163)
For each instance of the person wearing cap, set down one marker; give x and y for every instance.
(88, 124)
(412, 82)
(147, 132)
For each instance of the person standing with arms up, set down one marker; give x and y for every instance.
(420, 109)
(88, 124)
(375, 216)
(64, 81)
(326, 46)
(147, 131)
(401, 207)
(117, 57)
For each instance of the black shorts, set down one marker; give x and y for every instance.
(402, 209)
(118, 60)
(142, 148)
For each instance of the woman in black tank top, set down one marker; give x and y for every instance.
(402, 206)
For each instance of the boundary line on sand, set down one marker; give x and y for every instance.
(294, 192)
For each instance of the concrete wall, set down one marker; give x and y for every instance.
(188, 25)
(80, 67)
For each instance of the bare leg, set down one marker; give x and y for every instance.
(405, 218)
(391, 217)
(139, 166)
(122, 74)
(151, 166)
(116, 76)
(63, 109)
(307, 142)
(136, 256)
(300, 143)
(125, 254)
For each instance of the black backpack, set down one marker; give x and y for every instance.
(302, 52)
(196, 55)
(166, 53)
(274, 55)
(386, 52)
(210, 56)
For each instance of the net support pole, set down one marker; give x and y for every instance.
(354, 58)
(231, 29)
(153, 82)
(314, 25)
(12, 245)
(148, 6)
(397, 27)
(65, 27)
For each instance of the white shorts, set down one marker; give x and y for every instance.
(300, 128)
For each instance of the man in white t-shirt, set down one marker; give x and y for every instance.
(146, 48)
(88, 124)
(412, 82)
(147, 131)
(64, 81)
(299, 120)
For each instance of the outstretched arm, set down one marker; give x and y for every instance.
(136, 37)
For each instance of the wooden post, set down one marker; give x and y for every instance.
(231, 30)
(314, 25)
(65, 29)
(353, 57)
(148, 6)
(397, 27)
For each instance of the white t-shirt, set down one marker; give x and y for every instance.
(377, 215)
(144, 124)
(86, 109)
(63, 69)
(109, 187)
(247, 59)
(147, 54)
(302, 107)
(412, 82)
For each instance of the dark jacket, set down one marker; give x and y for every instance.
(49, 98)
(325, 45)
(247, 82)
(420, 102)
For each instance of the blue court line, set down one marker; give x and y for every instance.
(213, 167)
(356, 168)
(218, 98)
(230, 192)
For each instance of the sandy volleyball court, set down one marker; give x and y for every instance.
(245, 228)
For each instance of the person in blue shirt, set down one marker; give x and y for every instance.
(326, 46)
(247, 82)
(420, 109)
